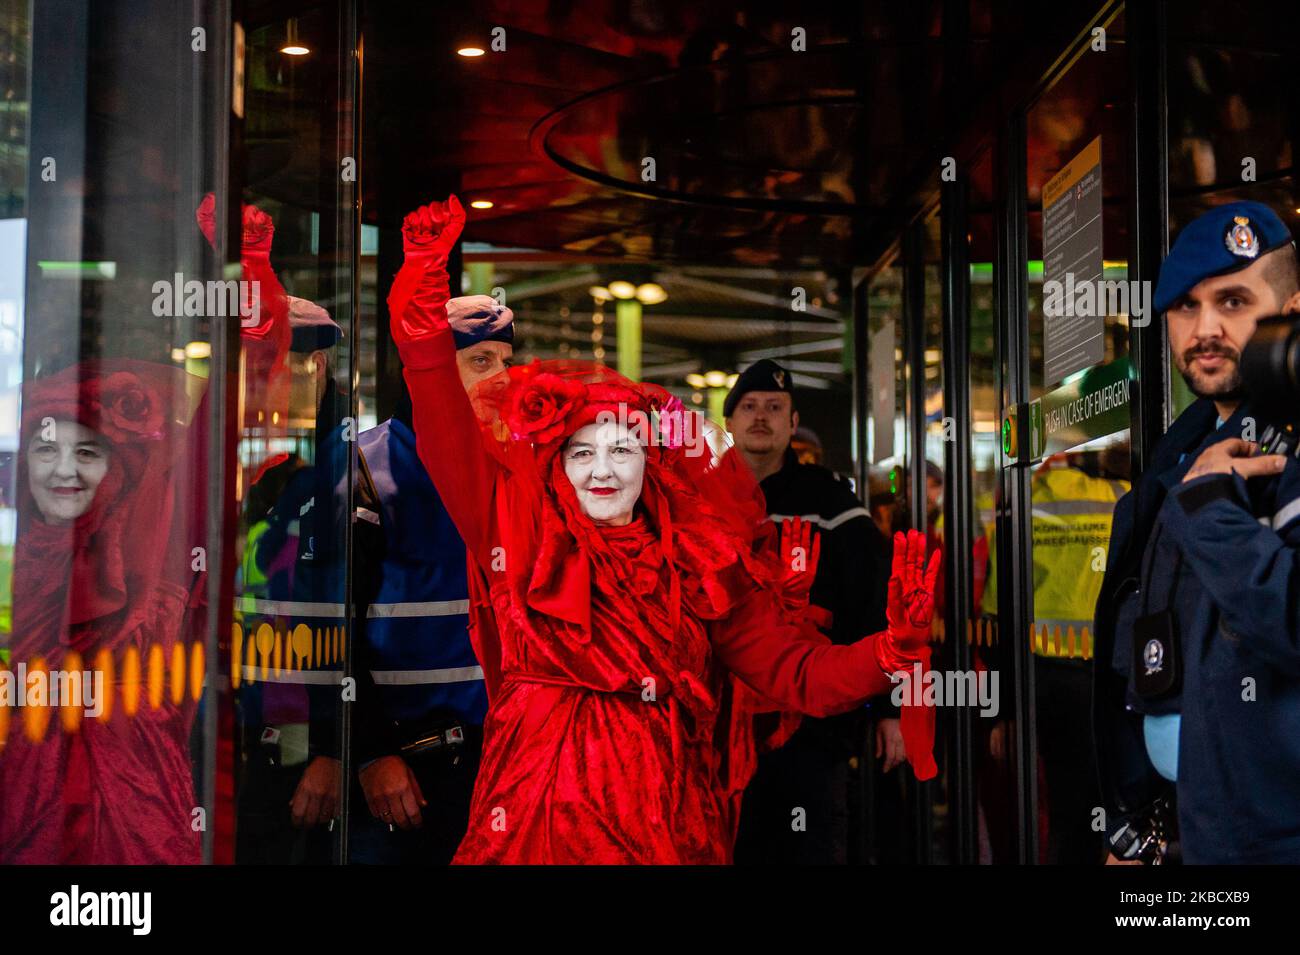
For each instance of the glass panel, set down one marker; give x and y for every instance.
(993, 737)
(297, 430)
(115, 329)
(932, 330)
(1231, 118)
(1078, 130)
(891, 839)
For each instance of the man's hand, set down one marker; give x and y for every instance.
(1234, 454)
(316, 800)
(433, 229)
(392, 792)
(889, 744)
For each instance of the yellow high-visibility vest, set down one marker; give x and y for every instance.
(1072, 514)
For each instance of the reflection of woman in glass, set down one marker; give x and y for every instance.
(103, 585)
(620, 570)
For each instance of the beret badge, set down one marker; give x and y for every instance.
(1241, 238)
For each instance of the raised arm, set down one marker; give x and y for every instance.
(264, 329)
(819, 679)
(447, 434)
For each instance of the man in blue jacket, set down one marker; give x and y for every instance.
(420, 704)
(1198, 625)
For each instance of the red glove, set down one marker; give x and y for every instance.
(258, 232)
(906, 641)
(206, 214)
(417, 302)
(799, 551)
(911, 604)
(434, 229)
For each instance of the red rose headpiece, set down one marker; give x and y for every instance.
(111, 555)
(119, 399)
(544, 404)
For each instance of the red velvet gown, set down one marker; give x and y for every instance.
(117, 788)
(604, 740)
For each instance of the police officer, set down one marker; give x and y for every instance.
(812, 770)
(1198, 642)
(421, 699)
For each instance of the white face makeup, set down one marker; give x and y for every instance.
(64, 472)
(606, 466)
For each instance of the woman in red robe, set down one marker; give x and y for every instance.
(626, 620)
(104, 574)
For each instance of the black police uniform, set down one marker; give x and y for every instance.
(811, 770)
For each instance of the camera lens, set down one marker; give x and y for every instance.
(1270, 364)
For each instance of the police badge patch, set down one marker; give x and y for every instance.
(1241, 238)
(1157, 668)
(1154, 656)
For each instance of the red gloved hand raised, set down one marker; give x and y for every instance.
(258, 229)
(911, 604)
(417, 302)
(433, 229)
(206, 214)
(799, 552)
(906, 643)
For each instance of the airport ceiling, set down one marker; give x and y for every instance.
(676, 132)
(763, 155)
(672, 137)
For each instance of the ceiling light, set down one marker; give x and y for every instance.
(651, 294)
(695, 380)
(599, 293)
(715, 379)
(482, 204)
(198, 350)
(292, 47)
(471, 51)
(621, 289)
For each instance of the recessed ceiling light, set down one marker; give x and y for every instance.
(651, 294)
(471, 51)
(482, 204)
(292, 45)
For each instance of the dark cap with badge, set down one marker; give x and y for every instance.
(1226, 239)
(763, 375)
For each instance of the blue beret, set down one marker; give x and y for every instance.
(479, 318)
(1225, 239)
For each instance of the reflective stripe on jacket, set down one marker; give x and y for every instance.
(416, 632)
